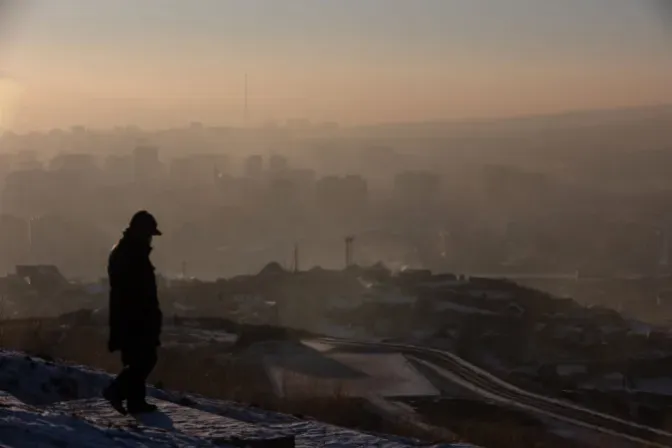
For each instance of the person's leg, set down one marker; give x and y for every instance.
(124, 379)
(117, 391)
(142, 364)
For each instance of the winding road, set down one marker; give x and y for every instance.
(483, 383)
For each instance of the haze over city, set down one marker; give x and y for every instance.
(352, 223)
(160, 63)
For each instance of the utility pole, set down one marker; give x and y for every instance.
(665, 250)
(296, 258)
(348, 250)
(31, 248)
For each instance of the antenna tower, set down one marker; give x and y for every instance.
(246, 101)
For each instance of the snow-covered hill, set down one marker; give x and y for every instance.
(45, 404)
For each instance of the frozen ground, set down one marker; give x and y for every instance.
(52, 405)
(194, 337)
(296, 368)
(387, 375)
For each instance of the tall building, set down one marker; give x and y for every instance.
(416, 187)
(14, 240)
(278, 164)
(147, 164)
(179, 172)
(23, 193)
(304, 179)
(342, 193)
(119, 169)
(206, 167)
(254, 166)
(6, 165)
(73, 161)
(76, 165)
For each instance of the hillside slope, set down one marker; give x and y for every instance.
(46, 404)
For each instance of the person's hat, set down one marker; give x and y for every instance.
(144, 222)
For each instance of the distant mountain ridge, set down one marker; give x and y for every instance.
(555, 121)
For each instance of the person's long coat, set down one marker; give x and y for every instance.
(135, 316)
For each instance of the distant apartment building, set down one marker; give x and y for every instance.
(69, 191)
(342, 193)
(30, 193)
(23, 193)
(278, 164)
(179, 171)
(514, 190)
(28, 165)
(304, 179)
(253, 166)
(50, 243)
(299, 124)
(119, 169)
(73, 162)
(295, 185)
(14, 237)
(26, 156)
(78, 168)
(282, 193)
(6, 165)
(147, 165)
(416, 187)
(198, 170)
(379, 162)
(236, 191)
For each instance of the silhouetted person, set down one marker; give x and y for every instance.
(135, 316)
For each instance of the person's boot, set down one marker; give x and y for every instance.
(113, 395)
(141, 407)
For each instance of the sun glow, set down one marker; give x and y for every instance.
(10, 92)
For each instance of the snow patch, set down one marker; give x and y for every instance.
(452, 306)
(58, 416)
(660, 385)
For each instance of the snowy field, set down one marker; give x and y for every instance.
(46, 404)
(385, 375)
(194, 337)
(309, 368)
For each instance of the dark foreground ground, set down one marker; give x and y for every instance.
(212, 368)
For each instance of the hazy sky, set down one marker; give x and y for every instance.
(165, 62)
